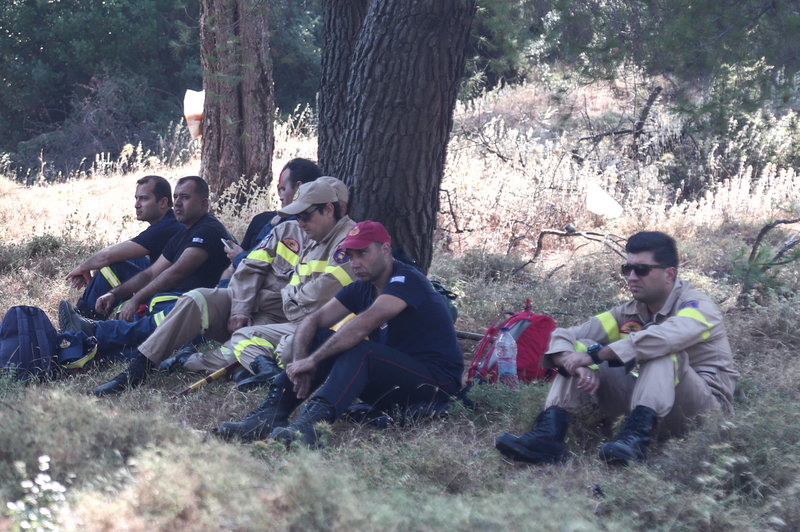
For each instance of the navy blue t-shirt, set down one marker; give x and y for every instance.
(155, 237)
(206, 233)
(423, 330)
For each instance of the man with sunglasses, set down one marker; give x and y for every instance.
(660, 359)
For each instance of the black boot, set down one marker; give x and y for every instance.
(302, 429)
(177, 360)
(136, 374)
(70, 321)
(273, 412)
(263, 368)
(543, 444)
(631, 442)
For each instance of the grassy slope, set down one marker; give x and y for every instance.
(144, 461)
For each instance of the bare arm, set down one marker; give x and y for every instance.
(123, 251)
(383, 309)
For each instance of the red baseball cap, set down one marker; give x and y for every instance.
(365, 233)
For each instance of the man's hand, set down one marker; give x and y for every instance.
(105, 304)
(588, 380)
(128, 310)
(573, 360)
(302, 385)
(300, 373)
(237, 321)
(80, 277)
(232, 249)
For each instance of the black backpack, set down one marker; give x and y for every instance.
(27, 343)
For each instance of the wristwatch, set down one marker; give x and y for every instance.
(593, 351)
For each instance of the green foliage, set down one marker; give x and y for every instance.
(51, 51)
(758, 272)
(295, 48)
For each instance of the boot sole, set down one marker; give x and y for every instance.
(513, 449)
(612, 456)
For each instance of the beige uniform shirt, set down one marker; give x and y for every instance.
(258, 280)
(689, 321)
(321, 273)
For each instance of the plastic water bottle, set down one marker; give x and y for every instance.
(506, 351)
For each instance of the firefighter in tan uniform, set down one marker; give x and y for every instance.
(661, 359)
(322, 272)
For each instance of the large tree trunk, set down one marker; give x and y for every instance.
(403, 87)
(343, 22)
(239, 107)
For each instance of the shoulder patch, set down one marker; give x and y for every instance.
(398, 279)
(198, 240)
(688, 304)
(341, 256)
(292, 244)
(630, 326)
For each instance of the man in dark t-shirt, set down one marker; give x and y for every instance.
(116, 264)
(194, 257)
(411, 355)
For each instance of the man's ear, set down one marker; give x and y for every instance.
(163, 203)
(672, 273)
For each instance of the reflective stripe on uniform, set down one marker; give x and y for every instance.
(287, 254)
(247, 342)
(340, 273)
(260, 254)
(610, 326)
(200, 301)
(695, 314)
(110, 276)
(160, 299)
(580, 347)
(159, 317)
(675, 362)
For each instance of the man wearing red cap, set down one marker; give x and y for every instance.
(411, 353)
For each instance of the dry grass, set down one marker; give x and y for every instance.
(145, 461)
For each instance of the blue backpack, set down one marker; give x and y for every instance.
(27, 343)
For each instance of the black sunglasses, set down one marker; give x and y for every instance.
(641, 270)
(305, 216)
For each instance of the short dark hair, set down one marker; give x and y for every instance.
(337, 209)
(663, 247)
(200, 185)
(301, 170)
(161, 187)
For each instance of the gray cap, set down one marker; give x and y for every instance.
(341, 189)
(309, 194)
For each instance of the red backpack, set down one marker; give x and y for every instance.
(532, 332)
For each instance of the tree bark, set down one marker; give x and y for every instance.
(403, 85)
(239, 107)
(343, 21)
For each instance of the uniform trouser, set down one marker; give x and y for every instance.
(202, 311)
(107, 278)
(115, 334)
(667, 384)
(244, 345)
(376, 373)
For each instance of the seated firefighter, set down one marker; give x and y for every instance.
(294, 173)
(411, 354)
(193, 257)
(673, 332)
(116, 264)
(259, 293)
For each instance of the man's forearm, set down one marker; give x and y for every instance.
(303, 336)
(132, 285)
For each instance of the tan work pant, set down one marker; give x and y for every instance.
(203, 311)
(245, 345)
(668, 385)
